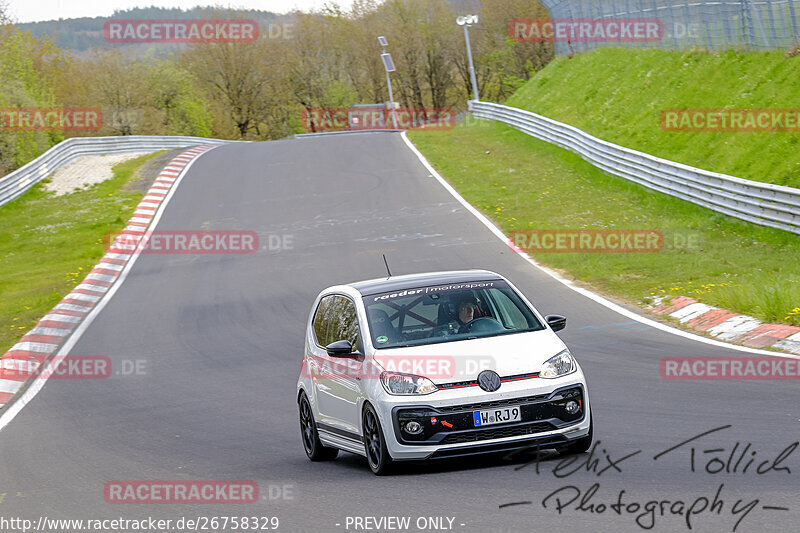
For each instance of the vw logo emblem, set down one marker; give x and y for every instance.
(489, 381)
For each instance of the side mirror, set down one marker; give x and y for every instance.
(557, 322)
(339, 348)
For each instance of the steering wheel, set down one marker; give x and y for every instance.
(480, 325)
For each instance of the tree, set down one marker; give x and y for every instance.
(121, 90)
(259, 90)
(231, 74)
(501, 63)
(281, 115)
(174, 92)
(4, 16)
(365, 68)
(320, 62)
(22, 60)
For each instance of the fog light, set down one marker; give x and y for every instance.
(414, 428)
(572, 407)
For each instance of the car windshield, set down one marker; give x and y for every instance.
(444, 313)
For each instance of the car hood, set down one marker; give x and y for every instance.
(449, 362)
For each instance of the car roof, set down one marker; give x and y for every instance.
(395, 283)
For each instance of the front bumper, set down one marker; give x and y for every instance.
(449, 430)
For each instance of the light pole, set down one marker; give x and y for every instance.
(388, 66)
(468, 21)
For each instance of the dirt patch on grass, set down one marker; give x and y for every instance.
(86, 171)
(147, 173)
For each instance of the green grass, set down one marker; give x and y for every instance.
(523, 183)
(48, 244)
(618, 95)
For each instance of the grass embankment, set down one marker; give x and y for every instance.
(48, 244)
(523, 183)
(618, 95)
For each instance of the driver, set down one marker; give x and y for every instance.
(465, 313)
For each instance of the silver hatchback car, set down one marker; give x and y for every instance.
(437, 365)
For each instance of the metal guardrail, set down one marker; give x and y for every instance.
(766, 204)
(342, 132)
(16, 183)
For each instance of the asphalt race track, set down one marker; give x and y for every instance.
(221, 339)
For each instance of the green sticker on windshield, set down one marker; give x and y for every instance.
(382, 339)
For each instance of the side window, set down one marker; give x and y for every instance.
(343, 324)
(321, 319)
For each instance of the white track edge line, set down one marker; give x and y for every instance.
(580, 290)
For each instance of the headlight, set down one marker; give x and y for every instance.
(558, 365)
(405, 384)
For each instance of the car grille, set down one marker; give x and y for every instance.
(497, 433)
(490, 404)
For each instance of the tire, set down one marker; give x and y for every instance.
(582, 444)
(380, 462)
(310, 436)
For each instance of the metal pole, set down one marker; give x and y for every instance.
(391, 100)
(757, 19)
(471, 66)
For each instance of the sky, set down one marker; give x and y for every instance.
(37, 10)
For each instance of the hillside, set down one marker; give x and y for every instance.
(618, 95)
(80, 34)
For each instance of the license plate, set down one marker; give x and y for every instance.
(496, 416)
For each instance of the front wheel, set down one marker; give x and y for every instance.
(313, 446)
(374, 443)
